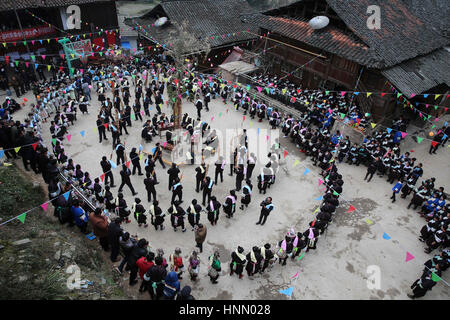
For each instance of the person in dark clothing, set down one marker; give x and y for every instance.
(149, 183)
(106, 167)
(101, 129)
(239, 177)
(238, 261)
(125, 175)
(177, 191)
(220, 167)
(120, 151)
(194, 213)
(114, 234)
(157, 216)
(185, 294)
(140, 250)
(157, 155)
(134, 157)
(173, 174)
(206, 187)
(372, 169)
(155, 275)
(266, 208)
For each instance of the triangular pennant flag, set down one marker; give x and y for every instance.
(351, 209)
(2, 153)
(128, 163)
(386, 236)
(419, 139)
(368, 221)
(285, 153)
(301, 256)
(403, 135)
(306, 171)
(320, 182)
(342, 115)
(319, 198)
(17, 149)
(288, 291)
(54, 141)
(373, 125)
(436, 96)
(34, 145)
(409, 257)
(82, 133)
(44, 206)
(68, 137)
(102, 177)
(113, 165)
(389, 130)
(296, 162)
(106, 126)
(435, 277)
(294, 276)
(141, 156)
(67, 194)
(22, 217)
(434, 143)
(335, 193)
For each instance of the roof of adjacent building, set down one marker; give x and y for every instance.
(215, 21)
(6, 5)
(330, 39)
(404, 34)
(422, 73)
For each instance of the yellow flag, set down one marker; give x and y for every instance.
(316, 210)
(48, 40)
(17, 149)
(436, 96)
(368, 221)
(251, 124)
(296, 162)
(373, 125)
(95, 129)
(368, 94)
(140, 156)
(283, 91)
(48, 67)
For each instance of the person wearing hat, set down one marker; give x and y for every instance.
(238, 262)
(176, 262)
(121, 207)
(214, 266)
(138, 211)
(267, 256)
(286, 247)
(194, 213)
(425, 283)
(254, 259)
(177, 216)
(177, 191)
(229, 207)
(157, 154)
(173, 174)
(194, 265)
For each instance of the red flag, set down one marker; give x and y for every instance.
(434, 143)
(352, 208)
(106, 126)
(102, 177)
(34, 145)
(25, 99)
(128, 163)
(243, 118)
(383, 94)
(285, 153)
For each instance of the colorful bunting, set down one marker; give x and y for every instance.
(44, 206)
(386, 236)
(68, 137)
(22, 217)
(296, 162)
(306, 171)
(409, 257)
(351, 209)
(288, 291)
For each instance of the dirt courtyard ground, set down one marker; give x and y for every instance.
(336, 270)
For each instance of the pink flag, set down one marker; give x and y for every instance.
(436, 120)
(404, 135)
(243, 118)
(68, 137)
(212, 119)
(320, 181)
(267, 137)
(142, 113)
(343, 93)
(259, 89)
(44, 206)
(409, 257)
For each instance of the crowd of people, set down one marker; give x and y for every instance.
(62, 96)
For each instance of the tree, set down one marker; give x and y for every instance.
(183, 44)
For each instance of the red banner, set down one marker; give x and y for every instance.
(30, 33)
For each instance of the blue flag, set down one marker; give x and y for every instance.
(288, 291)
(306, 171)
(113, 165)
(385, 236)
(82, 133)
(319, 198)
(66, 195)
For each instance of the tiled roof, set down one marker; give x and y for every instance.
(329, 39)
(420, 74)
(403, 35)
(6, 5)
(204, 19)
